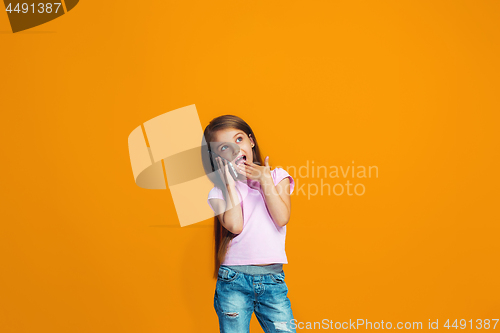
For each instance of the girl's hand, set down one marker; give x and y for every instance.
(252, 171)
(224, 174)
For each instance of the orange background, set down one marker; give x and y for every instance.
(411, 87)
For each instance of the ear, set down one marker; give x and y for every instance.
(251, 139)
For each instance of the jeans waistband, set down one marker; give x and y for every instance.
(257, 270)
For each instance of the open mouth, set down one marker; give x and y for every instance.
(240, 160)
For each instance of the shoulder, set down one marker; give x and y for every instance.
(215, 193)
(279, 174)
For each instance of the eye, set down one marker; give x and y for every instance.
(240, 138)
(223, 148)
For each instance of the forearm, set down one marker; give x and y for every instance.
(277, 207)
(233, 216)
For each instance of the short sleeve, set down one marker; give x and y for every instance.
(214, 193)
(279, 174)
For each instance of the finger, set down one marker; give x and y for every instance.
(223, 176)
(266, 162)
(245, 174)
(219, 163)
(223, 170)
(226, 166)
(249, 164)
(242, 168)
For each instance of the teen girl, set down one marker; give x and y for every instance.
(252, 208)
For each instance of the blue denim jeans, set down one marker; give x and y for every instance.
(238, 295)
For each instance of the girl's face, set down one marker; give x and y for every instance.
(228, 151)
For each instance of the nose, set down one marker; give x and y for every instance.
(235, 149)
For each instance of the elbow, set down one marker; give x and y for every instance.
(233, 226)
(238, 231)
(236, 228)
(282, 222)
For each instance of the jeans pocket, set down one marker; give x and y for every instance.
(278, 278)
(226, 274)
